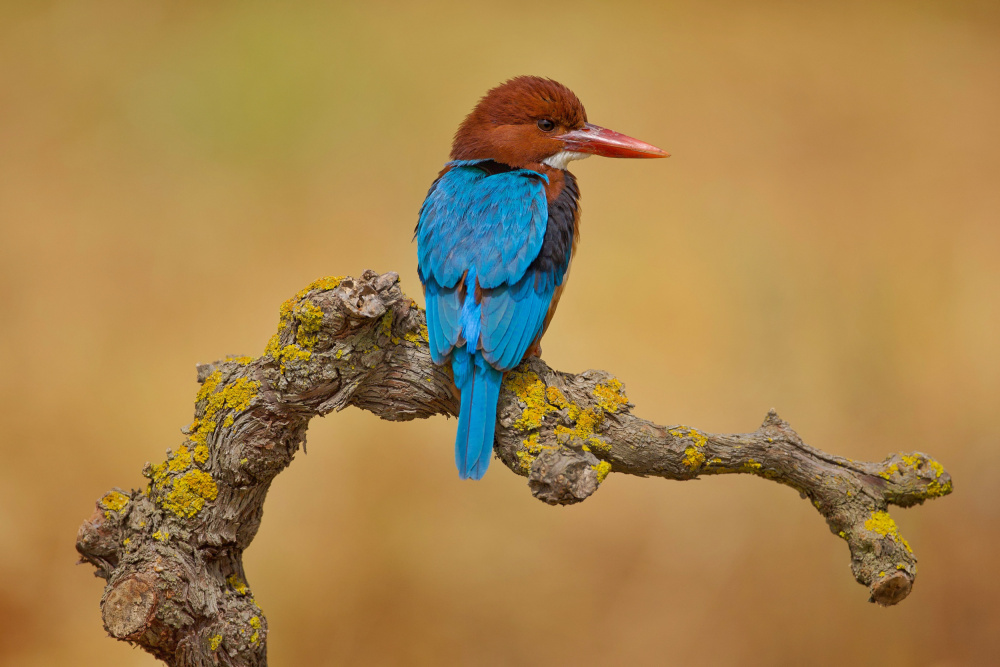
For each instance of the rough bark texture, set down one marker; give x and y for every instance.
(172, 553)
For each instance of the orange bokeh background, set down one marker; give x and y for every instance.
(824, 240)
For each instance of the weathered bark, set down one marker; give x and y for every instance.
(172, 553)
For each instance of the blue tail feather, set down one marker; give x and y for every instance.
(480, 386)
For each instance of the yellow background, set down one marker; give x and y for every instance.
(824, 240)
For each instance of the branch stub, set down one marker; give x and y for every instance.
(129, 608)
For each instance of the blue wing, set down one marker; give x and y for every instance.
(495, 223)
(478, 234)
(512, 318)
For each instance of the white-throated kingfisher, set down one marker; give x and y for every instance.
(495, 238)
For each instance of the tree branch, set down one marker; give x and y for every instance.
(172, 553)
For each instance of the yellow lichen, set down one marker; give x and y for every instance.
(236, 396)
(180, 461)
(610, 396)
(556, 397)
(540, 400)
(586, 422)
(200, 435)
(287, 308)
(322, 284)
(524, 459)
(693, 458)
(273, 347)
(889, 472)
(882, 523)
(915, 461)
(416, 336)
(127, 541)
(208, 386)
(936, 489)
(310, 319)
(291, 352)
(532, 448)
(386, 327)
(161, 536)
(699, 439)
(753, 465)
(585, 426)
(531, 444)
(255, 623)
(114, 501)
(158, 475)
(214, 641)
(238, 584)
(530, 390)
(189, 493)
(242, 361)
(603, 469)
(239, 394)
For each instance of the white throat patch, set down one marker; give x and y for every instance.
(563, 158)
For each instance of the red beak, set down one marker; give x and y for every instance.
(602, 141)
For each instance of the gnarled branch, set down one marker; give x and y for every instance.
(172, 553)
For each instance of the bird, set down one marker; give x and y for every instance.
(496, 235)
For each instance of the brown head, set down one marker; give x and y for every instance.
(529, 121)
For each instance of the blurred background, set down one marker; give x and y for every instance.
(824, 240)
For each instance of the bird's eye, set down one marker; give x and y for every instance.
(546, 125)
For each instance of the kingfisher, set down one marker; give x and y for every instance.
(495, 238)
